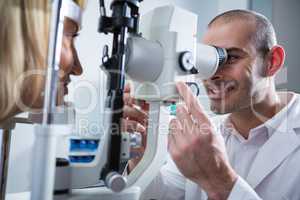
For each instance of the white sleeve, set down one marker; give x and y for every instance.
(169, 184)
(242, 190)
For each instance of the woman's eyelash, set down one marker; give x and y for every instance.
(76, 35)
(73, 35)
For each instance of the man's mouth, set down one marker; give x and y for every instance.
(221, 90)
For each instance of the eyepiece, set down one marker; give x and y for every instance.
(209, 59)
(222, 55)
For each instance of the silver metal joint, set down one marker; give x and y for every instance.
(115, 182)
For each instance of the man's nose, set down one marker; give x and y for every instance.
(217, 76)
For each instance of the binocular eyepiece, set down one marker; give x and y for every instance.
(208, 60)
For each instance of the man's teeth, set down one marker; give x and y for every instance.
(216, 91)
(222, 90)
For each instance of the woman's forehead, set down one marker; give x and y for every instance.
(70, 25)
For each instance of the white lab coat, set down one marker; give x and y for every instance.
(274, 174)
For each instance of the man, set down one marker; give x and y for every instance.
(261, 155)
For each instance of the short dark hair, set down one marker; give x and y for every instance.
(264, 36)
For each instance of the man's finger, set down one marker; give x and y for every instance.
(173, 130)
(176, 133)
(191, 102)
(128, 100)
(135, 114)
(185, 119)
(127, 88)
(173, 141)
(132, 126)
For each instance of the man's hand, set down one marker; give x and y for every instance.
(197, 150)
(135, 118)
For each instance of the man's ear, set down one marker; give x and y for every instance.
(276, 60)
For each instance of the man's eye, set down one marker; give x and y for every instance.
(232, 58)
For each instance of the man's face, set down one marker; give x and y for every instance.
(239, 83)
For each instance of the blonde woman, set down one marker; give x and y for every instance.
(24, 39)
(24, 42)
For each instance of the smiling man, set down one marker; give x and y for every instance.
(258, 155)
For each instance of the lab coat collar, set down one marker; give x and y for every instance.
(286, 119)
(275, 124)
(279, 146)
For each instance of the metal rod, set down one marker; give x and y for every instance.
(117, 82)
(54, 53)
(102, 8)
(43, 169)
(5, 149)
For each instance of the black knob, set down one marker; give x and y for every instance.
(186, 61)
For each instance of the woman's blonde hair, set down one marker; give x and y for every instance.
(81, 3)
(24, 43)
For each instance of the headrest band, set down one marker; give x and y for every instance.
(72, 11)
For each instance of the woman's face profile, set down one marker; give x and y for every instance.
(69, 65)
(69, 61)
